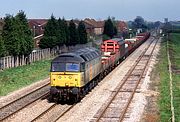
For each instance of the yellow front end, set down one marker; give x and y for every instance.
(67, 79)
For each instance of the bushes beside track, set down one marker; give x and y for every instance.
(16, 78)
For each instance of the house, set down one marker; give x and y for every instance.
(89, 28)
(37, 40)
(37, 26)
(122, 27)
(95, 27)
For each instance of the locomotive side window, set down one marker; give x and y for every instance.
(83, 67)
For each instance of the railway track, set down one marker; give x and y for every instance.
(117, 106)
(53, 113)
(18, 104)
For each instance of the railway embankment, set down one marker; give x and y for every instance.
(19, 77)
(169, 91)
(174, 61)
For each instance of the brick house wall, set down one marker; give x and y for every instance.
(37, 26)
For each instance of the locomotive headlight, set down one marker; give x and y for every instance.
(59, 77)
(70, 77)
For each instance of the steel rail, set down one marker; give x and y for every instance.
(23, 97)
(64, 112)
(54, 119)
(43, 113)
(132, 95)
(122, 84)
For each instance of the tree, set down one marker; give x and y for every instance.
(66, 28)
(109, 28)
(48, 42)
(24, 34)
(2, 47)
(139, 23)
(115, 25)
(61, 34)
(73, 34)
(115, 30)
(10, 36)
(17, 35)
(49, 39)
(82, 33)
(105, 37)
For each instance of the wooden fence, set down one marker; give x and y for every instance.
(36, 55)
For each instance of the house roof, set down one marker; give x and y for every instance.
(39, 22)
(94, 23)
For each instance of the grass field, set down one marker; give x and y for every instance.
(16, 78)
(162, 69)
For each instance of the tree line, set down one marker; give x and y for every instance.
(16, 38)
(59, 32)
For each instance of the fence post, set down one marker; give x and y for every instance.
(4, 64)
(33, 57)
(1, 63)
(30, 57)
(12, 61)
(23, 60)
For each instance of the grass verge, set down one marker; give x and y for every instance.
(175, 59)
(162, 69)
(163, 74)
(16, 78)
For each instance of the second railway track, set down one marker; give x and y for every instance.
(118, 104)
(18, 104)
(53, 113)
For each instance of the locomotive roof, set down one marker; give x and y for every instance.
(79, 56)
(117, 40)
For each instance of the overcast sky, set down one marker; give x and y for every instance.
(151, 10)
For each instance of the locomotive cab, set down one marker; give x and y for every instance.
(66, 71)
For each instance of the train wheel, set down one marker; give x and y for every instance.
(74, 98)
(50, 98)
(100, 77)
(82, 94)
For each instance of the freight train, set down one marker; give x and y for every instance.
(74, 74)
